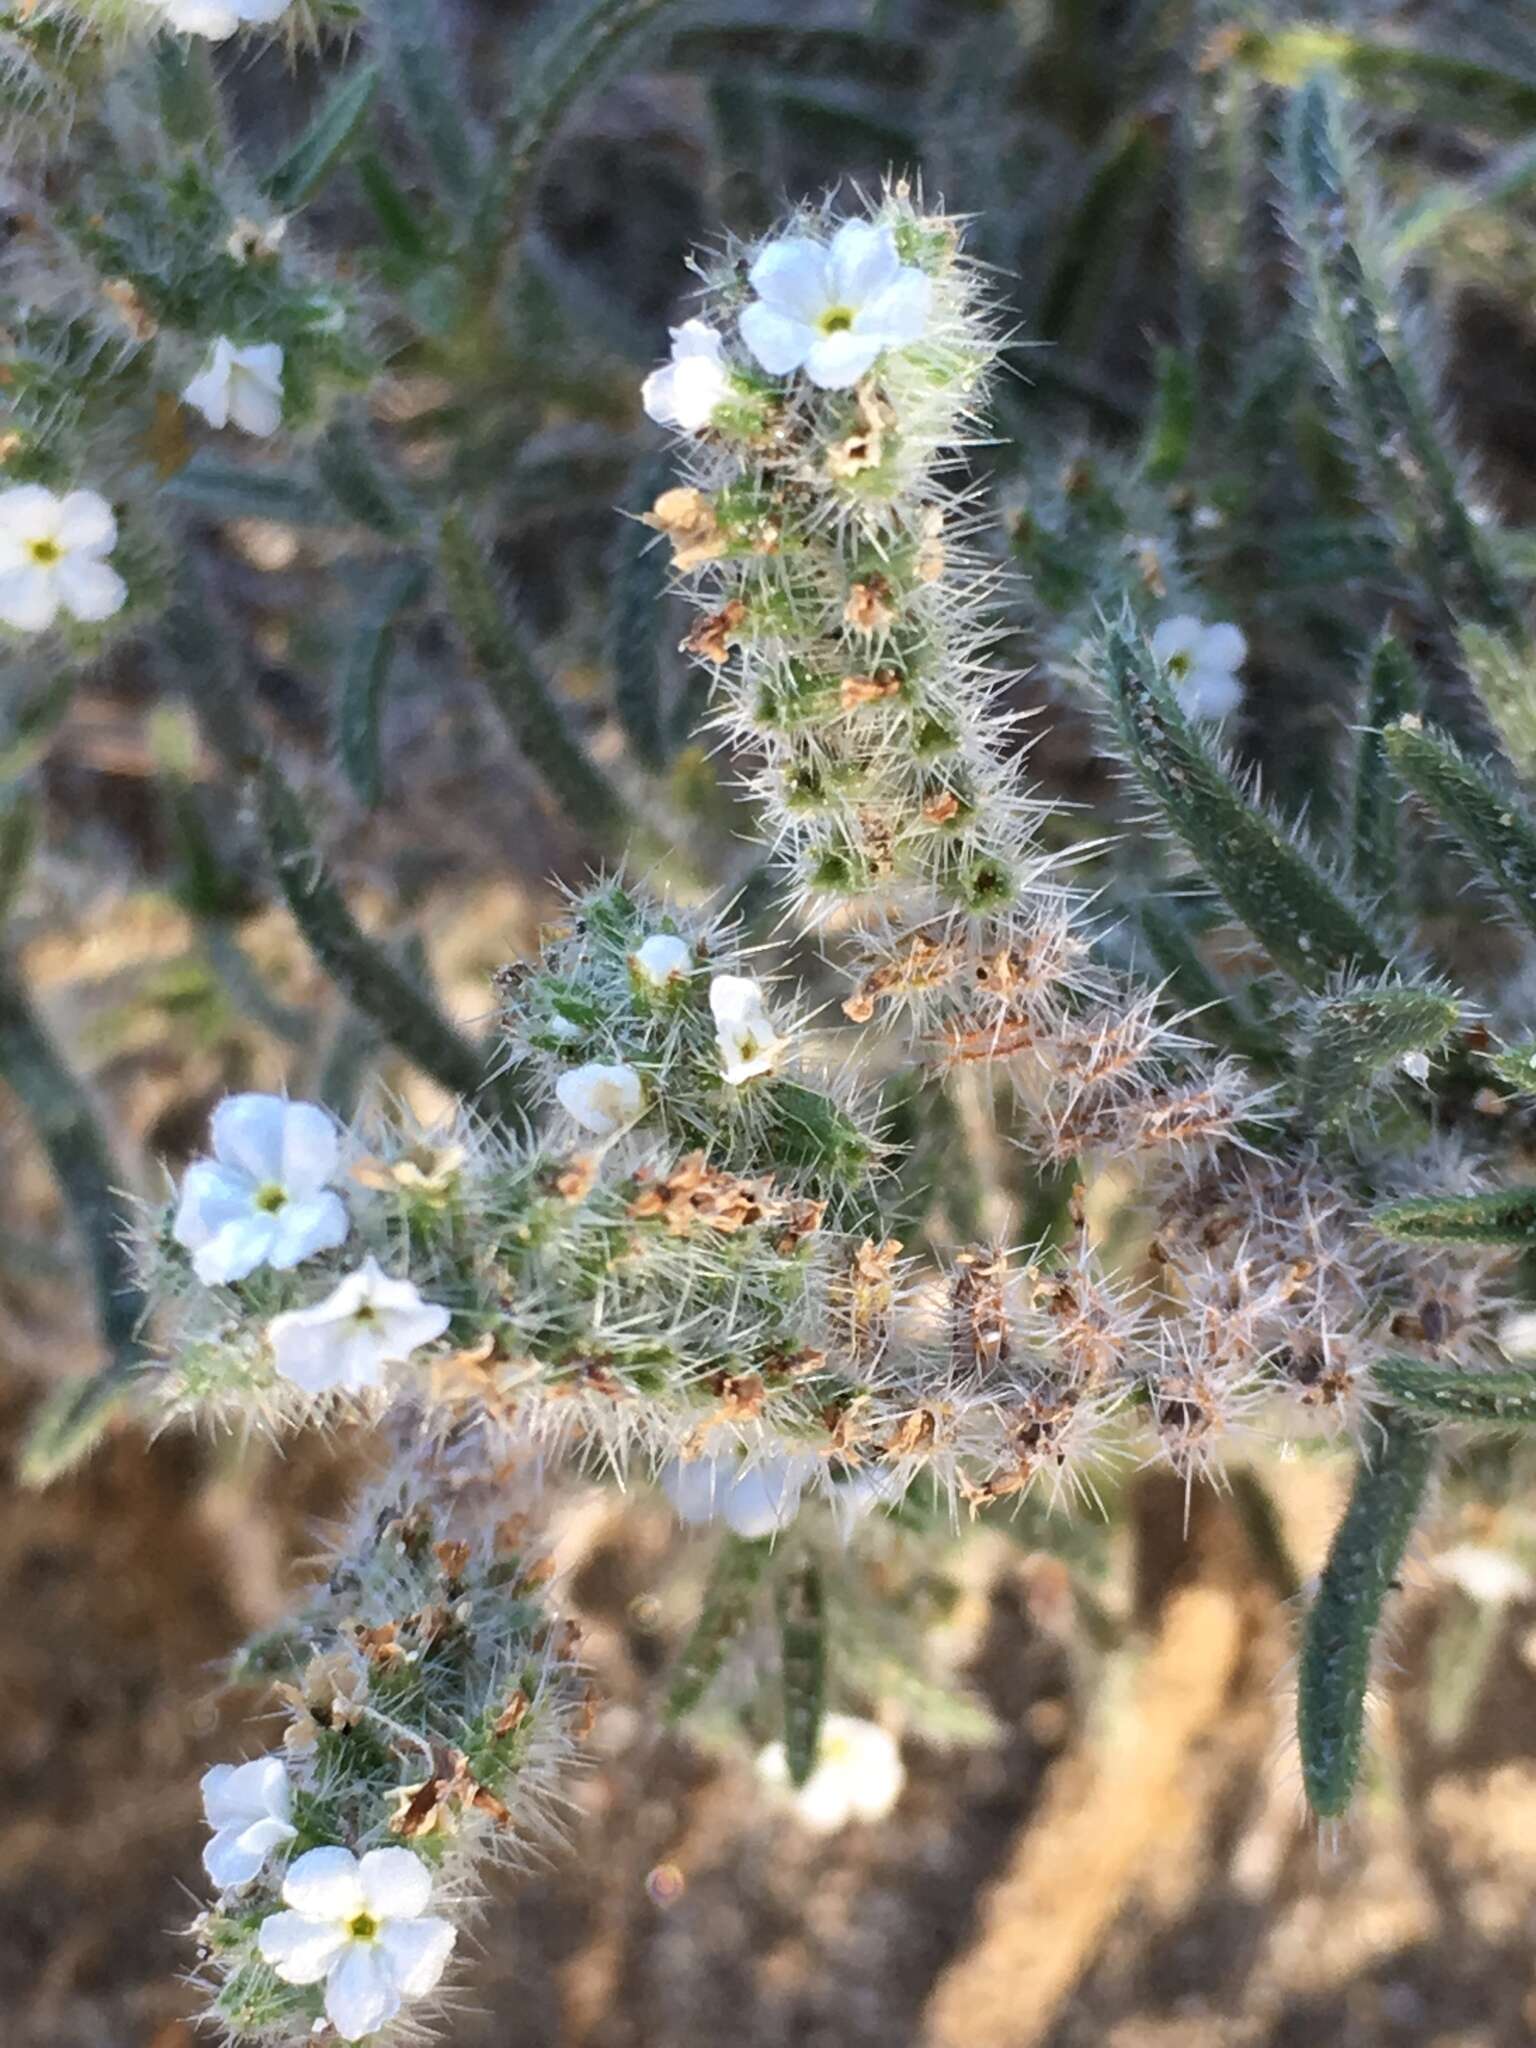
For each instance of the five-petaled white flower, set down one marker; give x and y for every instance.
(361, 1926)
(601, 1099)
(685, 392)
(744, 1032)
(240, 387)
(250, 1809)
(753, 1500)
(264, 1198)
(831, 308)
(858, 1775)
(366, 1322)
(217, 19)
(1203, 662)
(52, 558)
(663, 958)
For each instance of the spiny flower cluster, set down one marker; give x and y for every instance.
(826, 395)
(431, 1707)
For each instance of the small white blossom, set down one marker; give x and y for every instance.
(368, 1321)
(744, 1032)
(240, 387)
(663, 958)
(753, 1500)
(52, 558)
(254, 241)
(601, 1099)
(1517, 1334)
(685, 392)
(858, 1775)
(1203, 662)
(217, 19)
(250, 1809)
(264, 1199)
(1490, 1577)
(831, 308)
(360, 1926)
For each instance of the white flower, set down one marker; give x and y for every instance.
(249, 1807)
(662, 958)
(264, 1199)
(601, 1099)
(362, 1927)
(685, 392)
(870, 1487)
(1203, 662)
(858, 1775)
(752, 1500)
(830, 308)
(217, 19)
(368, 1321)
(242, 387)
(1517, 1334)
(52, 558)
(1490, 1577)
(744, 1032)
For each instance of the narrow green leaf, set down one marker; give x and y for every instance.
(1499, 1399)
(723, 1614)
(230, 490)
(1503, 667)
(1351, 1040)
(1341, 1626)
(429, 92)
(1095, 235)
(19, 820)
(186, 91)
(350, 470)
(1401, 76)
(300, 173)
(640, 578)
(402, 220)
(1171, 431)
(365, 673)
(1391, 691)
(1489, 823)
(1299, 913)
(1504, 1216)
(803, 1665)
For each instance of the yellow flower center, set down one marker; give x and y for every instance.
(365, 1312)
(44, 552)
(362, 1927)
(271, 1198)
(836, 320)
(1178, 664)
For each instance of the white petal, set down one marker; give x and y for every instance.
(325, 1883)
(835, 362)
(899, 314)
(248, 1135)
(86, 524)
(208, 393)
(600, 1098)
(261, 10)
(29, 512)
(230, 1861)
(360, 1993)
(212, 1196)
(1208, 693)
(762, 1499)
(299, 1947)
(311, 1148)
(253, 408)
(235, 1251)
(779, 342)
(418, 1952)
(735, 999)
(29, 599)
(89, 589)
(1222, 646)
(306, 1354)
(304, 1228)
(1178, 635)
(698, 386)
(793, 276)
(234, 1794)
(265, 1835)
(663, 957)
(262, 360)
(396, 1883)
(690, 1485)
(658, 397)
(863, 261)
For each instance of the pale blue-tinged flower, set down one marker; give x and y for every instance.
(745, 1036)
(753, 1500)
(1202, 662)
(241, 387)
(684, 392)
(250, 1809)
(360, 1926)
(602, 1099)
(832, 308)
(366, 1322)
(265, 1197)
(53, 558)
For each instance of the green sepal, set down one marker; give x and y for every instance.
(1341, 1625)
